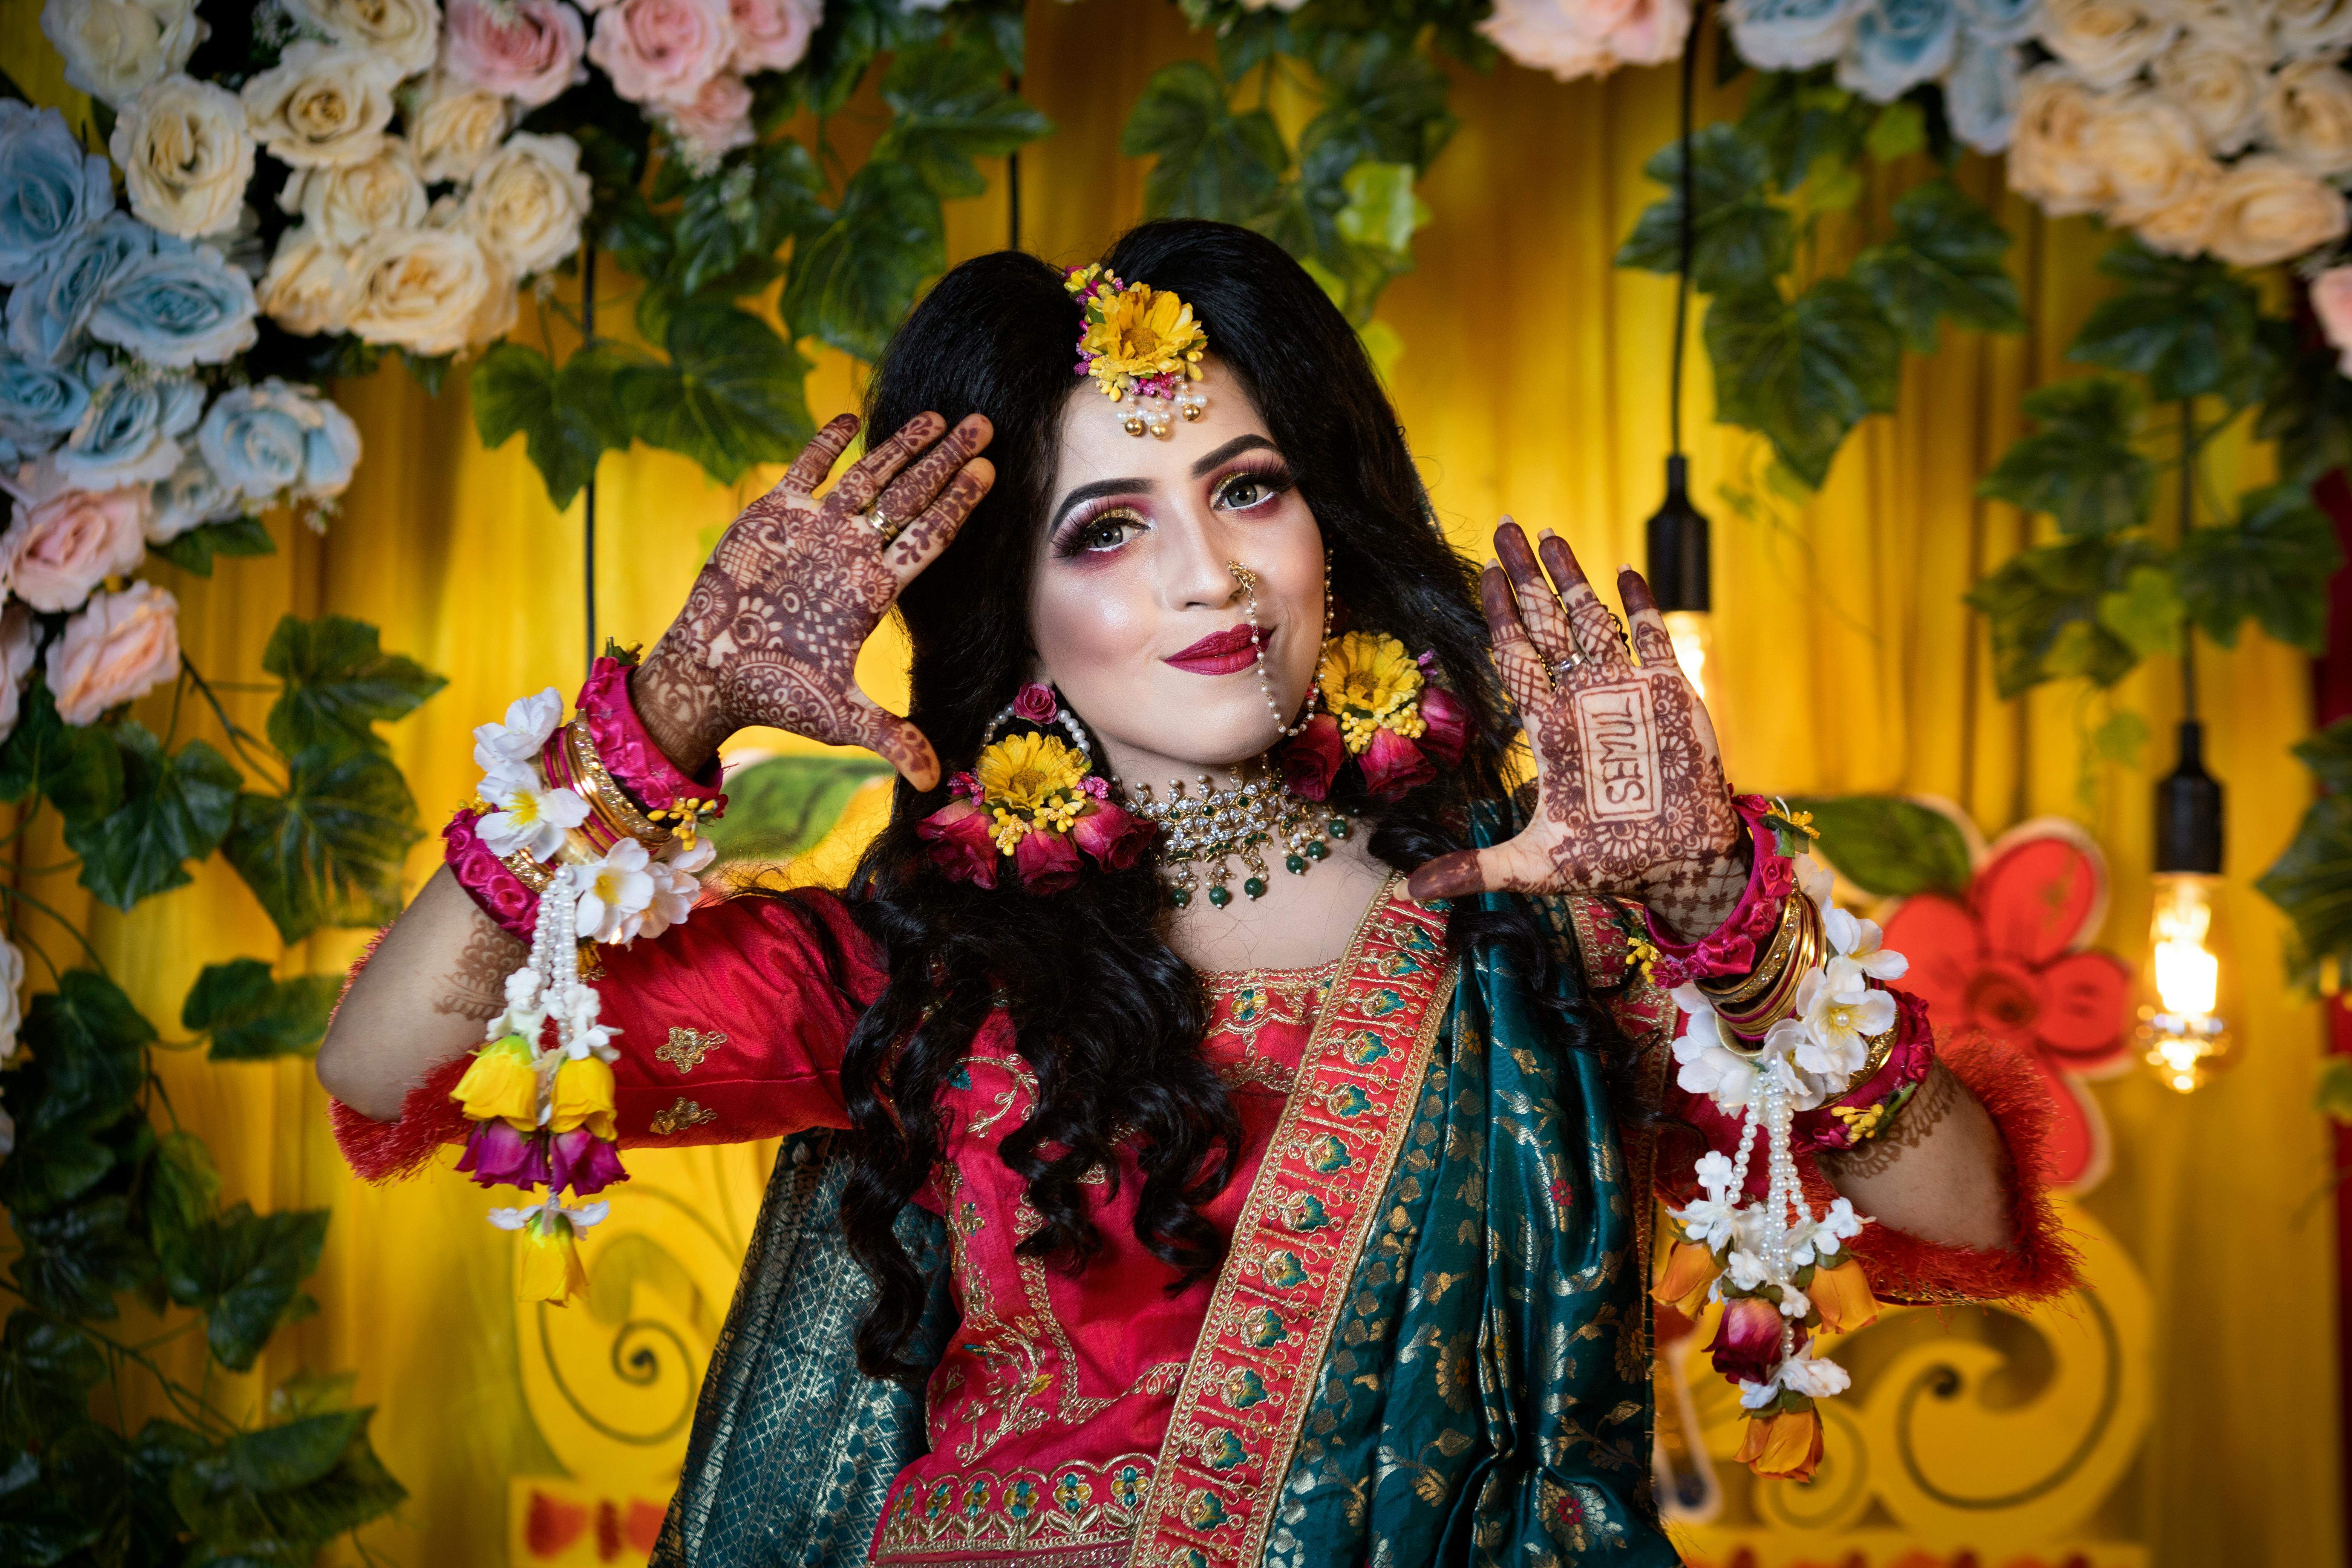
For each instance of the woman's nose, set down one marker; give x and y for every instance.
(1199, 575)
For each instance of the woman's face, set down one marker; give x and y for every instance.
(1134, 612)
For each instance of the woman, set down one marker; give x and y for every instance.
(1303, 1226)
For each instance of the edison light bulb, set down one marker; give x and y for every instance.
(1693, 640)
(2181, 1024)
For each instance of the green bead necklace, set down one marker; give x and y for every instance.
(1209, 825)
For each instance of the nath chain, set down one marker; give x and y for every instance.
(1249, 580)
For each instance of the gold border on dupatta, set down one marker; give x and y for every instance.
(1267, 1396)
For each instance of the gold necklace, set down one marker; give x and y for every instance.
(1209, 824)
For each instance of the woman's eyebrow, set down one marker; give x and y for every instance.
(1089, 491)
(1232, 448)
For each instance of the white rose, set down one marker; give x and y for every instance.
(2106, 41)
(421, 288)
(454, 127)
(2302, 28)
(2239, 24)
(311, 286)
(2050, 158)
(321, 103)
(2217, 85)
(527, 201)
(2307, 118)
(348, 204)
(185, 156)
(2151, 152)
(402, 33)
(2183, 225)
(113, 49)
(2270, 211)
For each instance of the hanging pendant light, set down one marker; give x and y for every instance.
(1677, 565)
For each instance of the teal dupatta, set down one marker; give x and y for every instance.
(1485, 1395)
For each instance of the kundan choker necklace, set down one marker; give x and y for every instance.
(1206, 826)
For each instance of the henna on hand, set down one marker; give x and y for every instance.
(1916, 1120)
(770, 634)
(477, 987)
(1630, 794)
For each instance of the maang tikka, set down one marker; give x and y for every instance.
(1142, 347)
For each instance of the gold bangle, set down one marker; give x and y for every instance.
(619, 812)
(1882, 1045)
(1735, 990)
(532, 875)
(1779, 999)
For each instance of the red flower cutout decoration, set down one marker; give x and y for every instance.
(2012, 961)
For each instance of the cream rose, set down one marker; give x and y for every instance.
(2302, 28)
(528, 50)
(2233, 24)
(2151, 152)
(421, 289)
(771, 34)
(2267, 211)
(2331, 302)
(112, 49)
(2183, 225)
(402, 33)
(2049, 159)
(310, 287)
(718, 121)
(56, 550)
(348, 204)
(527, 201)
(185, 156)
(122, 647)
(2307, 118)
(454, 127)
(662, 51)
(2106, 41)
(2218, 88)
(321, 103)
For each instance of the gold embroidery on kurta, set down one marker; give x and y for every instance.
(686, 1113)
(687, 1048)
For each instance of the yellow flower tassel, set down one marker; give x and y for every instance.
(551, 1261)
(1690, 1268)
(1842, 1296)
(582, 1096)
(1785, 1446)
(500, 1082)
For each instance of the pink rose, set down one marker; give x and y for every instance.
(1048, 861)
(15, 662)
(773, 35)
(2331, 300)
(957, 840)
(583, 1162)
(1035, 704)
(716, 122)
(1747, 1344)
(121, 647)
(498, 1157)
(1112, 835)
(60, 548)
(1311, 759)
(523, 49)
(1393, 765)
(663, 51)
(1448, 725)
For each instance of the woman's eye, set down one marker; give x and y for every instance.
(1107, 531)
(1243, 491)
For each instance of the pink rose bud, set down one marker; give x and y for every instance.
(1113, 835)
(1448, 725)
(119, 646)
(1035, 704)
(2331, 302)
(528, 50)
(1393, 765)
(1747, 1346)
(1048, 861)
(956, 839)
(1311, 759)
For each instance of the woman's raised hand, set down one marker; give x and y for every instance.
(770, 633)
(1629, 798)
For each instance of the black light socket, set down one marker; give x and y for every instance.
(2188, 810)
(1678, 548)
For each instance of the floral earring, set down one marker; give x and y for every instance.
(1380, 712)
(1034, 799)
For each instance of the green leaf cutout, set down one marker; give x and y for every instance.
(175, 809)
(1944, 261)
(1742, 239)
(1803, 372)
(328, 850)
(2271, 566)
(339, 683)
(1888, 846)
(252, 1016)
(2080, 466)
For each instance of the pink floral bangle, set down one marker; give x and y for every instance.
(627, 750)
(488, 880)
(1732, 947)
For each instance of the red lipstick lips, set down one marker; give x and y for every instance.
(1220, 653)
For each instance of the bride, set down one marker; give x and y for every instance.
(1222, 1116)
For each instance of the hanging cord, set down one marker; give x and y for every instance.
(1013, 189)
(2188, 522)
(588, 490)
(1689, 236)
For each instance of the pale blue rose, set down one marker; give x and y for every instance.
(1790, 35)
(274, 439)
(38, 405)
(180, 306)
(1980, 95)
(47, 315)
(1897, 45)
(193, 495)
(2002, 21)
(130, 434)
(50, 190)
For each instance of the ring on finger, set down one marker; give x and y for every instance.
(1562, 668)
(881, 523)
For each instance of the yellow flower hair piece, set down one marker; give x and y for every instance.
(1030, 782)
(1369, 684)
(1142, 346)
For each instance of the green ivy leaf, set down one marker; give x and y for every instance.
(278, 1494)
(635, 237)
(75, 1260)
(252, 1016)
(47, 1371)
(1248, 39)
(1803, 118)
(853, 283)
(93, 1047)
(951, 107)
(1944, 260)
(731, 396)
(339, 683)
(2145, 612)
(2080, 466)
(2119, 738)
(2306, 403)
(47, 1510)
(1381, 213)
(2186, 323)
(2043, 606)
(175, 809)
(746, 210)
(2271, 566)
(1742, 239)
(154, 1532)
(328, 850)
(569, 418)
(2329, 755)
(2311, 882)
(75, 768)
(243, 1272)
(1210, 162)
(1803, 372)
(193, 552)
(1888, 846)
(1386, 104)
(2332, 1095)
(182, 1196)
(852, 34)
(1900, 129)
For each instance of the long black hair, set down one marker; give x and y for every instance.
(1106, 1014)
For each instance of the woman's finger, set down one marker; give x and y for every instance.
(904, 497)
(1515, 659)
(866, 478)
(1651, 639)
(919, 543)
(1596, 628)
(893, 738)
(1540, 609)
(817, 458)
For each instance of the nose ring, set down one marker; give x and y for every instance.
(1242, 575)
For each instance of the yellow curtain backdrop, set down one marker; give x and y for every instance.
(1533, 380)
